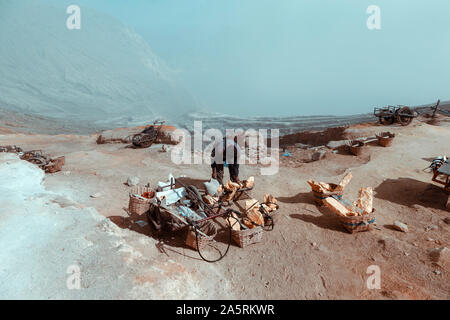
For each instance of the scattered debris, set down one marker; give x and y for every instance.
(249, 183)
(209, 199)
(164, 186)
(171, 196)
(96, 195)
(232, 191)
(400, 226)
(132, 181)
(432, 227)
(125, 135)
(148, 136)
(45, 162)
(301, 145)
(441, 168)
(11, 149)
(319, 155)
(212, 187)
(440, 256)
(337, 144)
(270, 203)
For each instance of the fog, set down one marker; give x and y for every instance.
(294, 57)
(242, 58)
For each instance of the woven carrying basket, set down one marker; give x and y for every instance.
(244, 238)
(356, 147)
(385, 139)
(208, 228)
(319, 196)
(140, 206)
(358, 223)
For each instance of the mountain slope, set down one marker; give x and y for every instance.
(103, 71)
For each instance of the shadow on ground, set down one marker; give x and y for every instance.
(326, 219)
(302, 197)
(169, 241)
(407, 192)
(323, 219)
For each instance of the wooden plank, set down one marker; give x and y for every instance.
(336, 207)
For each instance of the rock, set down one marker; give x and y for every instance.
(337, 144)
(96, 195)
(437, 272)
(447, 220)
(132, 181)
(440, 256)
(301, 146)
(400, 226)
(319, 155)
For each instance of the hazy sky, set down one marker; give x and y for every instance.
(297, 57)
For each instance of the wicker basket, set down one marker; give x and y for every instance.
(356, 147)
(207, 228)
(319, 196)
(137, 205)
(53, 167)
(244, 238)
(358, 223)
(60, 160)
(385, 139)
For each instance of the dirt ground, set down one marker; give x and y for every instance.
(308, 255)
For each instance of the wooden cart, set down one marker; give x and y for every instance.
(401, 114)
